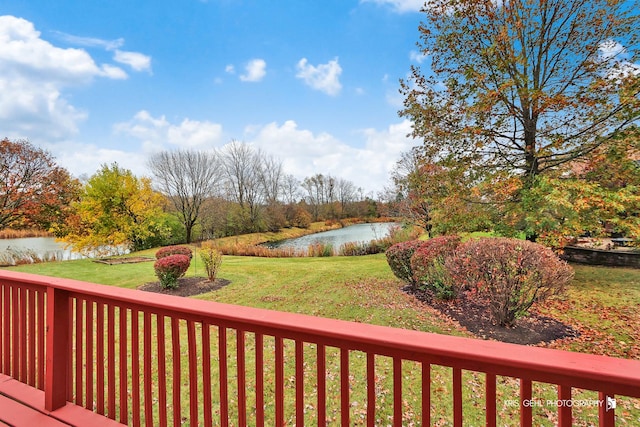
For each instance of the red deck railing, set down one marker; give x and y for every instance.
(143, 358)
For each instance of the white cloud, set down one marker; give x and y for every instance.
(324, 77)
(230, 69)
(135, 60)
(418, 57)
(611, 49)
(158, 133)
(615, 56)
(255, 71)
(304, 153)
(90, 41)
(86, 159)
(33, 73)
(400, 6)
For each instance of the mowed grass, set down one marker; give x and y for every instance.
(602, 303)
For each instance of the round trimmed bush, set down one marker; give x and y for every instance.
(170, 268)
(399, 258)
(174, 250)
(428, 265)
(510, 275)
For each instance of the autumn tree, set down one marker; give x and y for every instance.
(115, 209)
(187, 178)
(522, 88)
(34, 190)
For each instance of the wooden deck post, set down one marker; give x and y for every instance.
(57, 360)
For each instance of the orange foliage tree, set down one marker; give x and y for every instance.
(518, 90)
(34, 191)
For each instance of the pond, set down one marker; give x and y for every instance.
(336, 238)
(41, 247)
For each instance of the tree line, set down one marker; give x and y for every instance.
(189, 195)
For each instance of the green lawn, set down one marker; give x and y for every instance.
(602, 303)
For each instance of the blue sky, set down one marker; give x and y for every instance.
(314, 83)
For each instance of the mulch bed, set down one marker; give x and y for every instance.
(187, 286)
(473, 315)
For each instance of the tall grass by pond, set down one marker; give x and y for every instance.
(9, 233)
(16, 256)
(396, 234)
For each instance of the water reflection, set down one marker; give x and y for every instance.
(336, 238)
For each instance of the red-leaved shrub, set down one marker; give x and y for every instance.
(170, 268)
(509, 274)
(427, 265)
(174, 250)
(399, 258)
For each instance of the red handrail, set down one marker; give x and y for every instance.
(137, 370)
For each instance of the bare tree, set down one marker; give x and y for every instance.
(345, 193)
(271, 176)
(290, 189)
(188, 178)
(243, 177)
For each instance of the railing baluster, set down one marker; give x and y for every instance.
(397, 392)
(15, 322)
(299, 383)
(279, 390)
(41, 340)
(193, 373)
(526, 413)
(79, 352)
(606, 410)
(259, 380)
(31, 335)
(564, 408)
(23, 335)
(222, 369)
(426, 394)
(344, 387)
(72, 303)
(100, 357)
(123, 359)
(241, 376)
(175, 348)
(162, 371)
(135, 368)
(206, 373)
(457, 397)
(89, 355)
(371, 390)
(6, 300)
(111, 361)
(322, 385)
(147, 375)
(490, 399)
(58, 354)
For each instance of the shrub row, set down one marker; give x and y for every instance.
(509, 275)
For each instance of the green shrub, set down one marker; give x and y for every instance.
(399, 258)
(427, 265)
(509, 274)
(211, 258)
(174, 250)
(170, 268)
